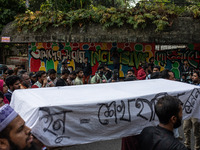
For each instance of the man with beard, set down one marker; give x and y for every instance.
(25, 81)
(14, 134)
(62, 81)
(41, 80)
(169, 112)
(79, 77)
(51, 79)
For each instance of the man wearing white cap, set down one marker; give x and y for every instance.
(14, 134)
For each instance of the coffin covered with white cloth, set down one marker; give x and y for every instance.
(63, 116)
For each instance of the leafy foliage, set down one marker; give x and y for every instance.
(159, 14)
(9, 9)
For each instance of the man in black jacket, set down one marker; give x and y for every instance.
(161, 137)
(62, 81)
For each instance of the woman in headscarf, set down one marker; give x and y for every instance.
(4, 89)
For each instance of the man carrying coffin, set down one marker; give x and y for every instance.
(169, 112)
(14, 134)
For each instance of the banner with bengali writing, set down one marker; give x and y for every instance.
(71, 115)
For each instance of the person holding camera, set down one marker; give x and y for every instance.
(99, 77)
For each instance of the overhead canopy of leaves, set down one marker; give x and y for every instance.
(9, 9)
(59, 5)
(159, 14)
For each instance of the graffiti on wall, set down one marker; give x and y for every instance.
(45, 56)
(173, 59)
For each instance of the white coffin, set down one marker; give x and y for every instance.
(63, 116)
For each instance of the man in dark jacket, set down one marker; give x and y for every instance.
(161, 137)
(87, 70)
(63, 79)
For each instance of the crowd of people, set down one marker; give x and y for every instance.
(20, 78)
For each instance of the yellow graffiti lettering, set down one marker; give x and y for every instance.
(131, 62)
(125, 57)
(110, 62)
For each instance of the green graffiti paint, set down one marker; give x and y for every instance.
(138, 47)
(49, 64)
(131, 60)
(175, 69)
(139, 57)
(191, 46)
(68, 47)
(95, 57)
(125, 57)
(120, 50)
(34, 48)
(98, 48)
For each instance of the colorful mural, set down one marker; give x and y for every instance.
(173, 59)
(45, 56)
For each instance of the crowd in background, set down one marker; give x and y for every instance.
(19, 78)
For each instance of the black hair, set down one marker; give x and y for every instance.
(185, 60)
(39, 74)
(166, 107)
(10, 72)
(73, 73)
(131, 70)
(155, 75)
(1, 95)
(22, 72)
(130, 78)
(197, 72)
(78, 70)
(165, 74)
(156, 66)
(100, 67)
(11, 80)
(146, 65)
(51, 71)
(32, 74)
(65, 71)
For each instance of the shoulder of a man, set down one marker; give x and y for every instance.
(60, 82)
(93, 79)
(77, 81)
(160, 138)
(149, 129)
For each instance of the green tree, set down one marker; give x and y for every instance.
(112, 3)
(59, 5)
(9, 9)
